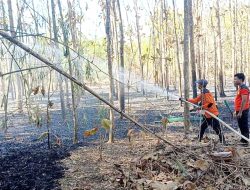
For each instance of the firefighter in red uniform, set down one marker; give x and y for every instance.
(241, 105)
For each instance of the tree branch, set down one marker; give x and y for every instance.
(28, 69)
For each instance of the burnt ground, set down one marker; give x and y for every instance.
(27, 163)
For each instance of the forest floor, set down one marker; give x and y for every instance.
(27, 163)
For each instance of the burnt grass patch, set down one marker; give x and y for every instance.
(32, 167)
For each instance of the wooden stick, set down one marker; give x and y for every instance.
(39, 57)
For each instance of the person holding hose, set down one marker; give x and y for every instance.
(241, 105)
(207, 102)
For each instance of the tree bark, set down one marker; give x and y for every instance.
(186, 64)
(59, 77)
(121, 68)
(139, 46)
(18, 77)
(67, 55)
(177, 50)
(5, 25)
(109, 56)
(215, 60)
(192, 52)
(165, 44)
(234, 37)
(221, 61)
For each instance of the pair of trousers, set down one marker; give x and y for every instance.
(243, 125)
(215, 124)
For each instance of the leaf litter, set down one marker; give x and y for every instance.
(198, 166)
(146, 164)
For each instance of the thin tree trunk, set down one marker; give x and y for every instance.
(241, 49)
(115, 45)
(49, 19)
(18, 78)
(165, 45)
(177, 51)
(215, 60)
(186, 65)
(234, 37)
(72, 22)
(35, 17)
(199, 27)
(4, 20)
(204, 68)
(121, 68)
(221, 61)
(109, 56)
(139, 46)
(59, 76)
(192, 53)
(67, 54)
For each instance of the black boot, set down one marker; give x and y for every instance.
(222, 139)
(244, 142)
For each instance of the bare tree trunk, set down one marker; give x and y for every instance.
(109, 56)
(4, 20)
(121, 68)
(204, 67)
(221, 69)
(115, 47)
(59, 76)
(177, 51)
(49, 19)
(75, 42)
(67, 54)
(186, 65)
(139, 45)
(154, 52)
(72, 22)
(234, 37)
(199, 15)
(192, 53)
(198, 58)
(164, 44)
(18, 78)
(215, 60)
(35, 17)
(241, 48)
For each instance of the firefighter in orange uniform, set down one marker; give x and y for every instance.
(207, 102)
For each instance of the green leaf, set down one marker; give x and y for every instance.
(106, 124)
